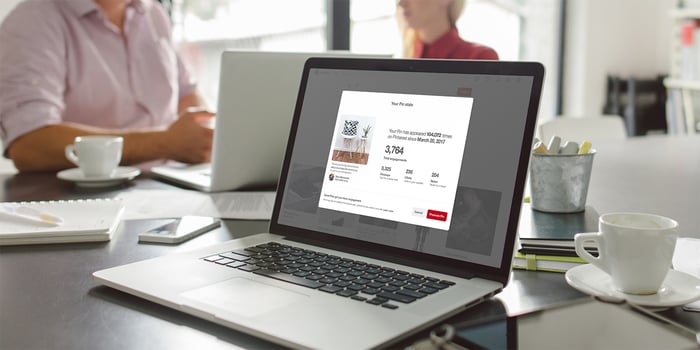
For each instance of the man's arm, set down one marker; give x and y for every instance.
(193, 100)
(186, 140)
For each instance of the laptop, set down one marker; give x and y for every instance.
(374, 235)
(257, 93)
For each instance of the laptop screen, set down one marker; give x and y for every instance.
(423, 157)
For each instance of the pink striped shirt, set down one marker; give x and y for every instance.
(63, 61)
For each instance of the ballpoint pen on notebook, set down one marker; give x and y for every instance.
(30, 214)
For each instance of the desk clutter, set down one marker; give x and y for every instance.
(120, 175)
(546, 240)
(560, 174)
(97, 158)
(547, 243)
(64, 221)
(555, 147)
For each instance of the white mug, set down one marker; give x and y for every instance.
(635, 249)
(96, 156)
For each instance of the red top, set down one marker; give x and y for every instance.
(452, 46)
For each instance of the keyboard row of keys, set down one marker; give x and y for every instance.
(344, 277)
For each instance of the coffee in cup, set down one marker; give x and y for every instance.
(96, 156)
(634, 249)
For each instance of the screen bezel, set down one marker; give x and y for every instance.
(398, 255)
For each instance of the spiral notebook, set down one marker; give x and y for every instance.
(84, 220)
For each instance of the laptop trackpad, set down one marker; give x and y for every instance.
(244, 297)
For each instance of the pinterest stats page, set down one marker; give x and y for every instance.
(397, 156)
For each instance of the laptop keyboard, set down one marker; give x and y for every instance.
(344, 277)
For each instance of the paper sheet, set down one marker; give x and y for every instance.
(159, 204)
(685, 259)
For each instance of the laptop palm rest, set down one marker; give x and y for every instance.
(234, 296)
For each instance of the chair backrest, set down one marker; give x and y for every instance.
(593, 129)
(642, 102)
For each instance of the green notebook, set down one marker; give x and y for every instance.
(552, 263)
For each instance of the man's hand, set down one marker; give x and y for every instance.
(189, 139)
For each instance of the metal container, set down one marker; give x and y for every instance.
(559, 182)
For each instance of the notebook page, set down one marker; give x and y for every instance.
(80, 217)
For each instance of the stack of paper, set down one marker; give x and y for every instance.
(85, 220)
(546, 240)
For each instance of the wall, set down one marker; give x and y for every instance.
(6, 6)
(621, 37)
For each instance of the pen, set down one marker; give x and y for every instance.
(30, 214)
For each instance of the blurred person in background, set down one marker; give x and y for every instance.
(428, 28)
(96, 67)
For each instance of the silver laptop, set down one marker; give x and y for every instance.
(257, 94)
(397, 207)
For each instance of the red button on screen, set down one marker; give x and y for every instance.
(437, 215)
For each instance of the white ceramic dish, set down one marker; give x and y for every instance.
(678, 288)
(121, 174)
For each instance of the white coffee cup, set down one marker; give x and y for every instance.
(635, 249)
(96, 156)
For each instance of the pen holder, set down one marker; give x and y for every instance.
(559, 182)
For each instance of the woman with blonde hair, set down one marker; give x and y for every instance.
(429, 31)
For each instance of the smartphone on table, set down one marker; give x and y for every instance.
(180, 229)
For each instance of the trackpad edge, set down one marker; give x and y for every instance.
(244, 297)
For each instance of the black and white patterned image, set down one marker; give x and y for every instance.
(350, 128)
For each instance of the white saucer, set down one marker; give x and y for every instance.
(678, 288)
(121, 174)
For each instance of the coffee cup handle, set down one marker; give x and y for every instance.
(600, 261)
(70, 154)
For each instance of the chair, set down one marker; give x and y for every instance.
(642, 103)
(349, 134)
(594, 129)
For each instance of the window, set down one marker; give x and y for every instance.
(516, 29)
(205, 28)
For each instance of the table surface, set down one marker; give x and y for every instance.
(654, 174)
(48, 298)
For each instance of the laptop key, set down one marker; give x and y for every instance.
(397, 297)
(289, 278)
(435, 285)
(411, 293)
(413, 286)
(249, 268)
(235, 264)
(369, 290)
(357, 287)
(330, 289)
(346, 293)
(375, 285)
(328, 280)
(428, 290)
(390, 288)
(224, 261)
(377, 301)
(390, 306)
(243, 252)
(342, 284)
